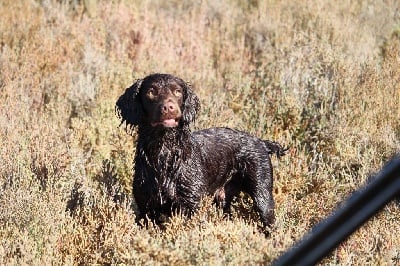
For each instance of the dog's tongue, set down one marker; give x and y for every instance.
(170, 123)
(166, 123)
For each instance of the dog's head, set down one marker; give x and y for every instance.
(158, 100)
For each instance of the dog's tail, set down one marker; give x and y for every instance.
(275, 148)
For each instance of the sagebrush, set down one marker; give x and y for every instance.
(322, 77)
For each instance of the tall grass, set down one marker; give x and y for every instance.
(322, 77)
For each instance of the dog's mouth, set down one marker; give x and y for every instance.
(171, 122)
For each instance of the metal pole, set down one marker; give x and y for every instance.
(357, 209)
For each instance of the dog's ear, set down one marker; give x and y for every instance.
(191, 105)
(128, 107)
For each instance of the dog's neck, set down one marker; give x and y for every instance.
(163, 146)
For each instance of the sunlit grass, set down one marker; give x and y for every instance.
(322, 78)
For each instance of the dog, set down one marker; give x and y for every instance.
(175, 167)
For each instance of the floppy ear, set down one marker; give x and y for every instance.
(128, 107)
(191, 105)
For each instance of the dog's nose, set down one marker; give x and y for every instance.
(168, 107)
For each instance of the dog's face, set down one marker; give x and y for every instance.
(159, 101)
(162, 102)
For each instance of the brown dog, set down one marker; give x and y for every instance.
(175, 168)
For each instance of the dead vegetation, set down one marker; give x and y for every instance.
(328, 74)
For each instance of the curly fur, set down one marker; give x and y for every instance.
(175, 168)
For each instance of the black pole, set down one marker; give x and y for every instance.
(357, 209)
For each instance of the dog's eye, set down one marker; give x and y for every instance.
(151, 93)
(178, 92)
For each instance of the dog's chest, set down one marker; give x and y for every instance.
(163, 172)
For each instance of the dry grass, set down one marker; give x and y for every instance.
(322, 77)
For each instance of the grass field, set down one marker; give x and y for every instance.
(322, 77)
